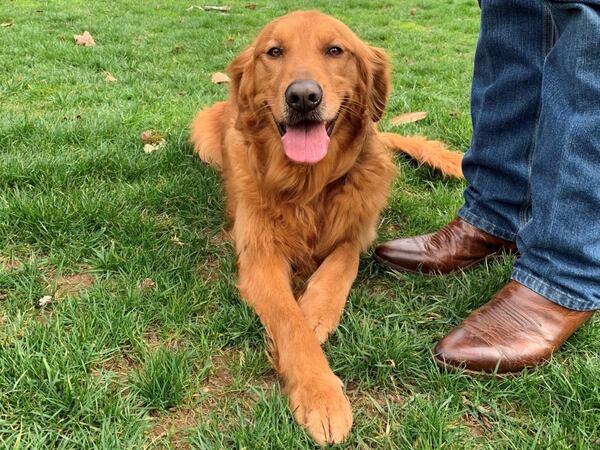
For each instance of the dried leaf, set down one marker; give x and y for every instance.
(6, 24)
(209, 8)
(455, 113)
(108, 76)
(152, 140)
(175, 240)
(220, 78)
(151, 137)
(251, 6)
(151, 148)
(215, 8)
(84, 39)
(408, 117)
(179, 48)
(45, 301)
(147, 283)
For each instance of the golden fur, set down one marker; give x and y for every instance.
(308, 222)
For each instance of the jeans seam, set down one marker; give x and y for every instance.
(548, 39)
(550, 292)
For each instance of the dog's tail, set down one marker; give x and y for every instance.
(432, 153)
(206, 134)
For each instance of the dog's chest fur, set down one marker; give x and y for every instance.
(306, 231)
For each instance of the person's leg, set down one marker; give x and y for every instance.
(514, 39)
(556, 282)
(560, 244)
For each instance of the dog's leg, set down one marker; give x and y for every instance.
(323, 301)
(315, 393)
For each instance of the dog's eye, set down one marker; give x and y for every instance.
(334, 51)
(275, 52)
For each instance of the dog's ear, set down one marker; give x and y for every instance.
(240, 71)
(379, 83)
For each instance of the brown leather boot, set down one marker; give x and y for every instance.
(517, 328)
(456, 246)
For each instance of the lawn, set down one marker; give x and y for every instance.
(144, 342)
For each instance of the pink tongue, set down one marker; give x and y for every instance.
(306, 143)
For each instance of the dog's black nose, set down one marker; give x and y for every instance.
(303, 95)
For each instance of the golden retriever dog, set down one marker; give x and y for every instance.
(306, 175)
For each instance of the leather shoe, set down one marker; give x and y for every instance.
(456, 246)
(516, 329)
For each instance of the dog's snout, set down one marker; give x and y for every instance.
(303, 95)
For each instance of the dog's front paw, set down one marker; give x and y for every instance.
(321, 407)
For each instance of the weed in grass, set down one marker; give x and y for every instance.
(163, 381)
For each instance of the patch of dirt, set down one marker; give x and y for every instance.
(374, 401)
(121, 365)
(175, 425)
(9, 263)
(208, 269)
(223, 236)
(210, 397)
(70, 285)
(475, 427)
(153, 340)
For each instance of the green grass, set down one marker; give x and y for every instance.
(113, 364)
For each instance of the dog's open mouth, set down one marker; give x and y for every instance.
(306, 141)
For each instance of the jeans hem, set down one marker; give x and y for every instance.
(485, 225)
(552, 293)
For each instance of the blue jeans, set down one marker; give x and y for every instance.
(534, 163)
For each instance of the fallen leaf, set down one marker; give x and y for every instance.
(151, 137)
(152, 140)
(3, 295)
(209, 8)
(175, 240)
(455, 114)
(215, 8)
(413, 11)
(178, 49)
(220, 78)
(108, 76)
(250, 6)
(150, 148)
(147, 283)
(6, 24)
(408, 117)
(45, 301)
(84, 39)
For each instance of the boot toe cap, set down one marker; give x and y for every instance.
(462, 350)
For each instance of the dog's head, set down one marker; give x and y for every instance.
(304, 72)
